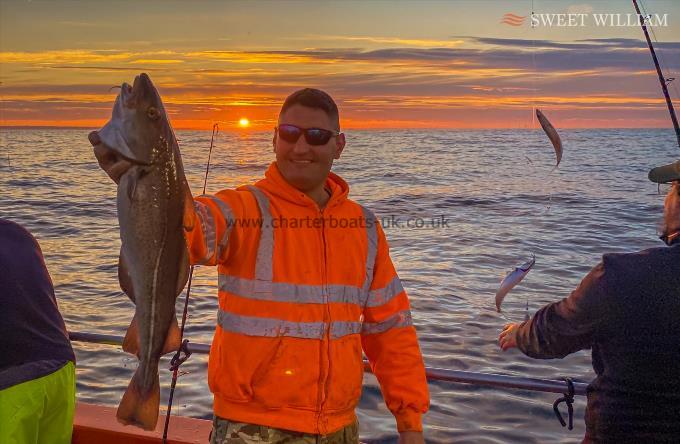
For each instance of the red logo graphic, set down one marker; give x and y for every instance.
(513, 20)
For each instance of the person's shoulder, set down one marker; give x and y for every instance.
(233, 197)
(637, 259)
(7, 224)
(353, 208)
(351, 203)
(13, 230)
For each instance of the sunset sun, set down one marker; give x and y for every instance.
(244, 122)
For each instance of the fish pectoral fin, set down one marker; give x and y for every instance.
(173, 339)
(124, 278)
(130, 191)
(132, 183)
(131, 341)
(137, 408)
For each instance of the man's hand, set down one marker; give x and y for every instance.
(508, 337)
(411, 438)
(110, 161)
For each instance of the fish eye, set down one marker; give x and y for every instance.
(153, 113)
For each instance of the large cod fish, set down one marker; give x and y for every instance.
(138, 149)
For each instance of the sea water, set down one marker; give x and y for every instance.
(461, 209)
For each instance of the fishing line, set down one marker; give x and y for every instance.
(534, 136)
(533, 108)
(659, 54)
(533, 62)
(178, 359)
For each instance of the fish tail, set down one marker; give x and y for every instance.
(138, 408)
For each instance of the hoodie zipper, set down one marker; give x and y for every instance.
(323, 387)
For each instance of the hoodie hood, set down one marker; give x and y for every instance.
(275, 184)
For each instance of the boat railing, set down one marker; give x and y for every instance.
(433, 374)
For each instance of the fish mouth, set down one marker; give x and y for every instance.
(130, 93)
(110, 160)
(110, 141)
(112, 155)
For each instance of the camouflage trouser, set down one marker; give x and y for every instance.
(230, 432)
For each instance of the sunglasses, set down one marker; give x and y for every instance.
(313, 136)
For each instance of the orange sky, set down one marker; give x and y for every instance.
(388, 65)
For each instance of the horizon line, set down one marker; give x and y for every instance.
(243, 130)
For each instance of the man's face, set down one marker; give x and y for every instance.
(305, 166)
(672, 209)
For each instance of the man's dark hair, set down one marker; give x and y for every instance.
(313, 98)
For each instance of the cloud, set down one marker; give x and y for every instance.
(503, 75)
(157, 61)
(397, 41)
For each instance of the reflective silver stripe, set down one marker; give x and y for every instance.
(346, 294)
(272, 328)
(344, 328)
(268, 327)
(401, 319)
(228, 216)
(285, 292)
(207, 228)
(382, 296)
(265, 248)
(372, 250)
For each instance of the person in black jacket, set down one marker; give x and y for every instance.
(627, 310)
(37, 364)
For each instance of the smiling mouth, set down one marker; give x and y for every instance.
(301, 161)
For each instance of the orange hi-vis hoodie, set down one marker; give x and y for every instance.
(302, 292)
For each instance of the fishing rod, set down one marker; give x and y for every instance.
(664, 82)
(183, 353)
(433, 374)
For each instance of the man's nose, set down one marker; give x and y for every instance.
(301, 146)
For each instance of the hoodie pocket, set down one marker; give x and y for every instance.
(291, 376)
(347, 373)
(236, 361)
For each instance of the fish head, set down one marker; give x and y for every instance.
(138, 123)
(528, 265)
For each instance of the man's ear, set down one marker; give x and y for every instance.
(274, 141)
(339, 145)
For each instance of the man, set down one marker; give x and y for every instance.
(302, 293)
(37, 373)
(305, 284)
(627, 309)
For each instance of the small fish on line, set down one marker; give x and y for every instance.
(512, 279)
(551, 132)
